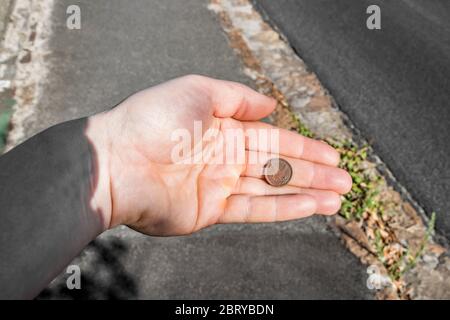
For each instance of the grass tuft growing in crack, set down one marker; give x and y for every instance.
(408, 260)
(413, 258)
(4, 126)
(301, 128)
(6, 110)
(364, 205)
(362, 198)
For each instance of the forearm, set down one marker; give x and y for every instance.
(47, 213)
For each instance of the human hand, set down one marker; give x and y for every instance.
(140, 184)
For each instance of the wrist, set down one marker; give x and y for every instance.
(98, 134)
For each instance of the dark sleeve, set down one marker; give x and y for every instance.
(45, 219)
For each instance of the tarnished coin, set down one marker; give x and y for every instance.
(277, 172)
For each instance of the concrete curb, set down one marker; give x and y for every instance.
(23, 61)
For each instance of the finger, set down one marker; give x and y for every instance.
(289, 143)
(232, 99)
(305, 174)
(328, 202)
(250, 209)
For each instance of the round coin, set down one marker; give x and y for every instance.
(277, 172)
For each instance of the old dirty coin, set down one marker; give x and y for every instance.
(277, 172)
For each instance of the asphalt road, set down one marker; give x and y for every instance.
(393, 83)
(122, 47)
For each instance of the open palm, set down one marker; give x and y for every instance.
(154, 194)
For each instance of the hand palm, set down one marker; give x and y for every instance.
(156, 196)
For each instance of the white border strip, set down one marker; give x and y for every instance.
(26, 38)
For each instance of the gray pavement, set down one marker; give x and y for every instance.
(393, 83)
(125, 46)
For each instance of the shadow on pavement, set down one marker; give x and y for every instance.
(104, 276)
